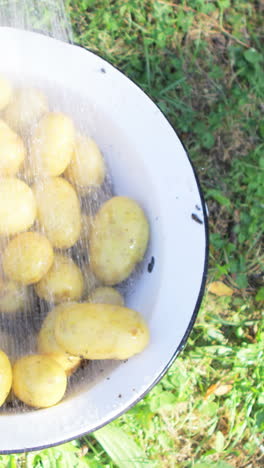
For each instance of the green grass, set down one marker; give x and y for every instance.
(201, 62)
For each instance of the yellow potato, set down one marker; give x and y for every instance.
(87, 168)
(27, 258)
(47, 344)
(17, 206)
(39, 381)
(58, 211)
(106, 295)
(27, 106)
(52, 144)
(12, 151)
(63, 282)
(6, 92)
(100, 331)
(118, 240)
(13, 297)
(5, 377)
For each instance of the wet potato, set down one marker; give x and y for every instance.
(17, 206)
(63, 282)
(100, 331)
(52, 144)
(118, 241)
(25, 109)
(39, 381)
(13, 297)
(47, 344)
(12, 151)
(27, 258)
(106, 295)
(59, 211)
(87, 167)
(5, 377)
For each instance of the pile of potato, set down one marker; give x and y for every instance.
(46, 168)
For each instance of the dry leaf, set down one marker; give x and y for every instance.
(220, 289)
(223, 389)
(218, 390)
(210, 391)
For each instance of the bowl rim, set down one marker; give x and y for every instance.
(184, 339)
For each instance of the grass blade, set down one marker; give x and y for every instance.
(122, 449)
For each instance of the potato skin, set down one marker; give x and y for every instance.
(17, 206)
(87, 168)
(63, 282)
(100, 331)
(13, 297)
(47, 344)
(6, 92)
(59, 211)
(118, 241)
(12, 151)
(5, 377)
(25, 108)
(106, 295)
(39, 381)
(27, 258)
(52, 144)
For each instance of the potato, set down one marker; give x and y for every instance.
(6, 92)
(12, 151)
(100, 331)
(27, 106)
(47, 344)
(14, 347)
(5, 377)
(63, 282)
(17, 206)
(87, 168)
(52, 144)
(27, 258)
(118, 240)
(13, 297)
(58, 211)
(39, 381)
(106, 295)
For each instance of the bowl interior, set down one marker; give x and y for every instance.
(148, 163)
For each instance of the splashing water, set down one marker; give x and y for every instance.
(18, 332)
(46, 16)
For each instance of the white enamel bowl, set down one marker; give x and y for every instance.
(148, 163)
